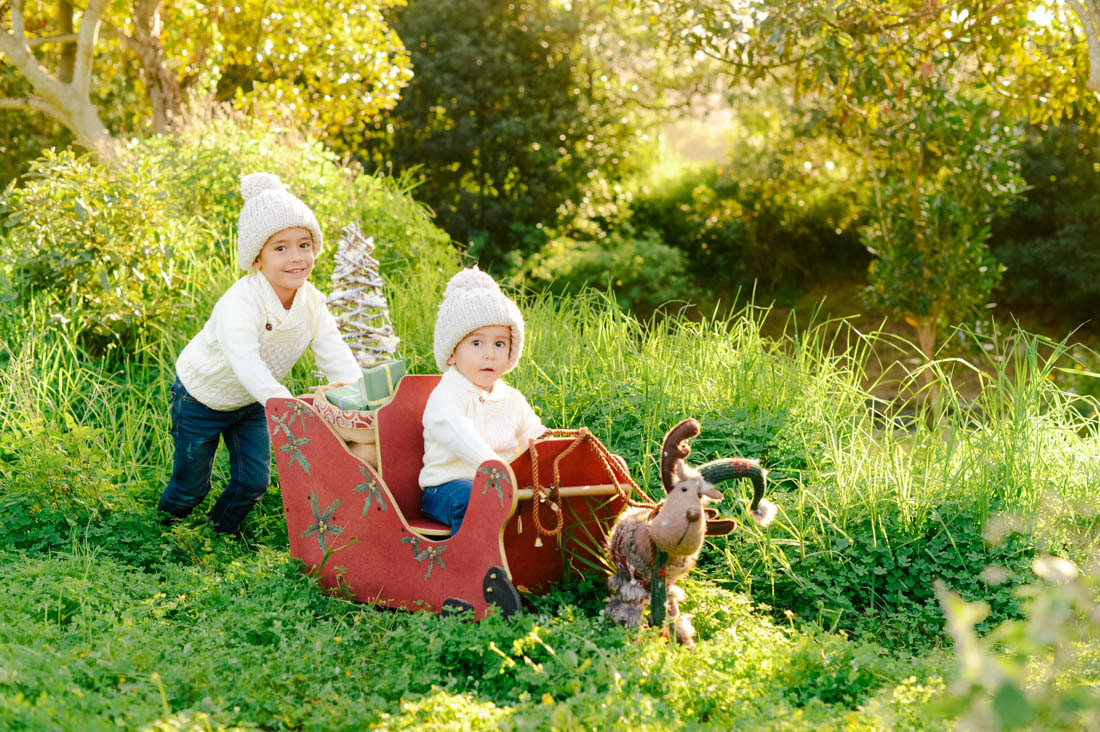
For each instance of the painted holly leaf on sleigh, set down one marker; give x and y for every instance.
(372, 489)
(294, 447)
(322, 522)
(422, 550)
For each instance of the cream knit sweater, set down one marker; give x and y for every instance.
(464, 426)
(251, 342)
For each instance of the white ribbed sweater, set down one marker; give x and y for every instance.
(464, 426)
(250, 342)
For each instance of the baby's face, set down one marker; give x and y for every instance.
(482, 356)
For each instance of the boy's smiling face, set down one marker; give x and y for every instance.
(482, 356)
(286, 261)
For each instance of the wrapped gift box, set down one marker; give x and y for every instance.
(379, 381)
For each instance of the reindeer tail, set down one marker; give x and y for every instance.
(762, 510)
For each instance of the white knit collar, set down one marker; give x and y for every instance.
(453, 374)
(273, 306)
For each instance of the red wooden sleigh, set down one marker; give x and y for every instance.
(528, 523)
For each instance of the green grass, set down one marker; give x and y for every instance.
(90, 643)
(825, 620)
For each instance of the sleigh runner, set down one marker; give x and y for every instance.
(529, 523)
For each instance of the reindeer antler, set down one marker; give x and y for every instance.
(675, 448)
(761, 509)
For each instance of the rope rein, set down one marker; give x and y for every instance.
(551, 493)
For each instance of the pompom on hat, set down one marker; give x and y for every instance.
(268, 209)
(473, 300)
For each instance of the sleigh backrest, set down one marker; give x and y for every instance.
(401, 440)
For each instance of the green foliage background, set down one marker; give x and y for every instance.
(824, 620)
(524, 139)
(502, 120)
(1046, 241)
(124, 245)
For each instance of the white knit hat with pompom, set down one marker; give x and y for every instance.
(268, 209)
(473, 300)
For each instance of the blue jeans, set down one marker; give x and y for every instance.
(196, 429)
(446, 503)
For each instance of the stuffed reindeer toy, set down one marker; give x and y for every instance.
(651, 548)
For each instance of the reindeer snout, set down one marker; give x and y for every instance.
(693, 514)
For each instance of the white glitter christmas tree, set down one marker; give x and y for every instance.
(358, 302)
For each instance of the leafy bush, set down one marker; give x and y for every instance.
(99, 243)
(642, 271)
(939, 180)
(882, 587)
(58, 458)
(1047, 239)
(124, 250)
(495, 122)
(1038, 672)
(203, 164)
(832, 669)
(763, 217)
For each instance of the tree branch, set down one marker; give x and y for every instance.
(1090, 18)
(720, 57)
(85, 46)
(18, 30)
(130, 42)
(63, 38)
(67, 102)
(902, 19)
(160, 79)
(988, 15)
(14, 46)
(26, 103)
(68, 50)
(993, 83)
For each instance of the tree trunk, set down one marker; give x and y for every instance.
(164, 89)
(926, 340)
(1088, 12)
(68, 48)
(68, 102)
(70, 107)
(926, 336)
(89, 130)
